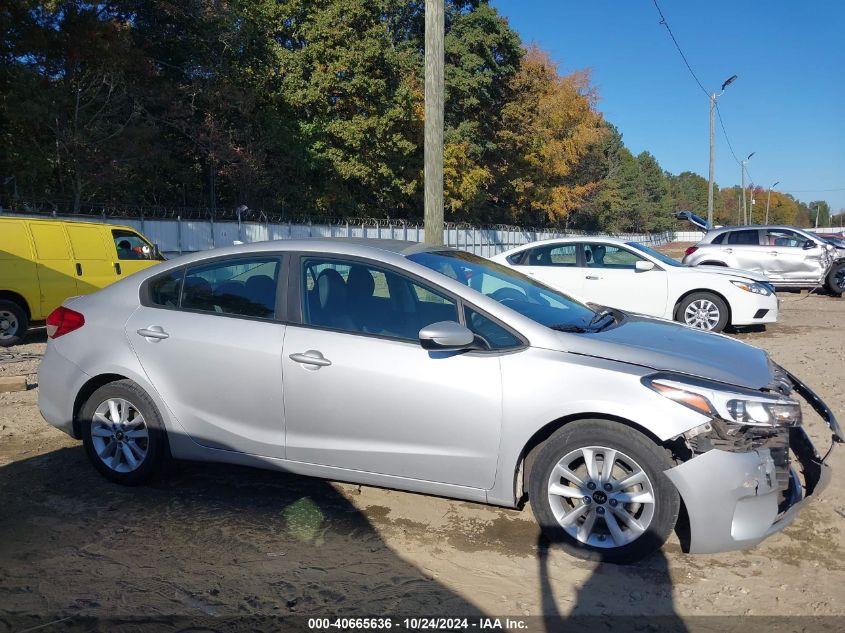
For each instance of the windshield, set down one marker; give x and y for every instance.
(510, 288)
(836, 241)
(656, 254)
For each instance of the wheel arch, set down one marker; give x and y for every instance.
(536, 441)
(705, 290)
(85, 392)
(15, 297)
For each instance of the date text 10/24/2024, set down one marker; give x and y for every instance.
(417, 624)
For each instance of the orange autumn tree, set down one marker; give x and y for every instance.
(549, 123)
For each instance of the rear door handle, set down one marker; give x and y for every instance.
(728, 250)
(593, 277)
(155, 332)
(78, 269)
(775, 253)
(311, 357)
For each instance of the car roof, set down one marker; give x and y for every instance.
(574, 239)
(360, 246)
(35, 218)
(755, 227)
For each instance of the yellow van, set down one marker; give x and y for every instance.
(43, 262)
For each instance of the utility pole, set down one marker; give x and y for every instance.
(434, 104)
(818, 208)
(769, 199)
(713, 97)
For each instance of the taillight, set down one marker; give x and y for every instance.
(63, 320)
(690, 250)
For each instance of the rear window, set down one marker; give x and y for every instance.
(747, 238)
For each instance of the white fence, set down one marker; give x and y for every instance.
(185, 236)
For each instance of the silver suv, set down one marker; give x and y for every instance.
(788, 256)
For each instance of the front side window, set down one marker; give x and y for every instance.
(357, 297)
(130, 245)
(783, 237)
(242, 287)
(744, 238)
(610, 256)
(511, 288)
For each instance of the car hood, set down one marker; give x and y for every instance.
(668, 346)
(730, 272)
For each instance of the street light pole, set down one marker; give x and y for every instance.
(713, 97)
(769, 199)
(434, 104)
(742, 165)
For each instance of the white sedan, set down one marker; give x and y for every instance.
(635, 278)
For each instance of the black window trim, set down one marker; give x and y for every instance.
(281, 307)
(294, 299)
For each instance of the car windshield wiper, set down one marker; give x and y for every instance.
(602, 319)
(570, 327)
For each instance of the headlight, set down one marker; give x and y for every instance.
(749, 408)
(755, 287)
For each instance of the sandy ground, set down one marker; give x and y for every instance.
(217, 540)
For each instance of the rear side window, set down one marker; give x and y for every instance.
(744, 238)
(242, 287)
(552, 255)
(164, 291)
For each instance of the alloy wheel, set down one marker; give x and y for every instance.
(838, 279)
(702, 314)
(8, 325)
(601, 497)
(120, 435)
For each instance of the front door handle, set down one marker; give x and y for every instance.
(727, 250)
(311, 357)
(78, 269)
(155, 332)
(117, 268)
(775, 253)
(593, 277)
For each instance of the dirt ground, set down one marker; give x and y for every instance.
(225, 541)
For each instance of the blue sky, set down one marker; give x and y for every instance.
(788, 104)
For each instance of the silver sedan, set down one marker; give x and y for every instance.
(435, 371)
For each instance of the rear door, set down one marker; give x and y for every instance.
(554, 264)
(209, 340)
(57, 274)
(744, 250)
(91, 257)
(611, 279)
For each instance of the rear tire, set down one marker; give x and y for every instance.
(13, 323)
(836, 279)
(704, 311)
(620, 523)
(123, 433)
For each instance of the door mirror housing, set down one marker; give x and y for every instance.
(643, 265)
(446, 336)
(809, 244)
(157, 253)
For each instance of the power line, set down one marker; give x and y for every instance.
(725, 132)
(678, 46)
(816, 190)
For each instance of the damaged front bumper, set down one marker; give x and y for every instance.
(735, 500)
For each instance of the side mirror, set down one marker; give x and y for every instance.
(157, 253)
(809, 244)
(446, 336)
(643, 265)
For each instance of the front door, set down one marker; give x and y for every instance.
(788, 259)
(611, 279)
(211, 346)
(362, 394)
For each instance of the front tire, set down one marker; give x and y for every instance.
(703, 311)
(598, 489)
(13, 323)
(836, 279)
(123, 433)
